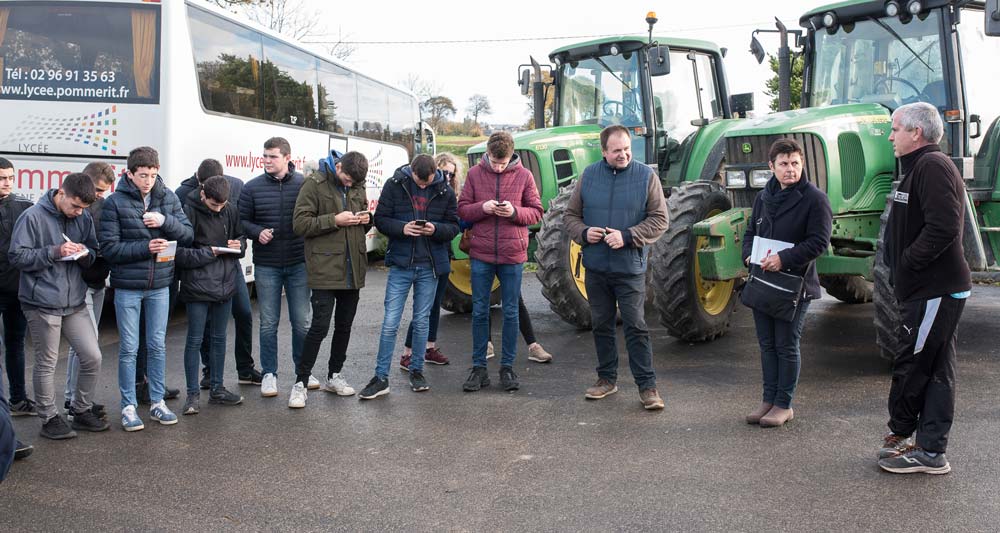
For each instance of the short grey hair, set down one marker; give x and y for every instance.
(921, 115)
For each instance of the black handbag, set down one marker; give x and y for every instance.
(776, 294)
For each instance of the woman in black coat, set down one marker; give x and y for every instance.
(792, 210)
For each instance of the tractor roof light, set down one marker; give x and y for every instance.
(829, 19)
(614, 50)
(914, 7)
(892, 8)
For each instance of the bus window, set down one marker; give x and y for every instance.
(227, 57)
(374, 111)
(80, 52)
(289, 77)
(338, 96)
(402, 118)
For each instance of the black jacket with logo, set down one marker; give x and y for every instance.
(924, 233)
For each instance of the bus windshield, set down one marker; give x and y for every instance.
(601, 90)
(79, 52)
(882, 61)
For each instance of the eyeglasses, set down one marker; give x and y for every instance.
(447, 174)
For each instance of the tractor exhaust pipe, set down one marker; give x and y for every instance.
(784, 69)
(538, 94)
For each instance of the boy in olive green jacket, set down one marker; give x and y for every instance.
(331, 215)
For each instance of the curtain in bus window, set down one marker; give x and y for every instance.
(143, 49)
(4, 15)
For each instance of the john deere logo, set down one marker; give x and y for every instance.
(747, 148)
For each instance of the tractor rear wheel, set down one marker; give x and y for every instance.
(560, 265)
(848, 289)
(887, 317)
(690, 307)
(458, 295)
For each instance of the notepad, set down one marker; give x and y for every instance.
(168, 254)
(764, 247)
(75, 256)
(220, 250)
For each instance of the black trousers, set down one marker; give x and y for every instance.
(323, 304)
(922, 395)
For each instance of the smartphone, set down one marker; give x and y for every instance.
(502, 203)
(420, 222)
(362, 213)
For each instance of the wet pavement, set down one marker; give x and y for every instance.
(542, 458)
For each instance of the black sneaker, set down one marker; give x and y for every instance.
(22, 451)
(96, 408)
(418, 383)
(223, 397)
(915, 461)
(171, 394)
(253, 377)
(88, 421)
(206, 379)
(24, 407)
(508, 379)
(375, 388)
(56, 428)
(478, 378)
(191, 406)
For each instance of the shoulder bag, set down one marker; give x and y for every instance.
(776, 294)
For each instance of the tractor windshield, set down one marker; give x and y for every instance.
(882, 61)
(601, 90)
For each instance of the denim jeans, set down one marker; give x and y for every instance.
(200, 315)
(435, 317)
(95, 305)
(243, 320)
(510, 291)
(608, 295)
(779, 354)
(270, 281)
(14, 328)
(397, 288)
(156, 306)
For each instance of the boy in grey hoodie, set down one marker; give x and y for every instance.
(53, 241)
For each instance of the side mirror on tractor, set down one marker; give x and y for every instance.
(525, 81)
(659, 60)
(993, 18)
(741, 104)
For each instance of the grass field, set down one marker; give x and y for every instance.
(457, 144)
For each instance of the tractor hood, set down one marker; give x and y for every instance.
(561, 136)
(873, 118)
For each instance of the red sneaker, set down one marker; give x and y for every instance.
(404, 363)
(435, 357)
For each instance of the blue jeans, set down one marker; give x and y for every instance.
(779, 354)
(608, 295)
(510, 291)
(270, 281)
(435, 317)
(397, 288)
(214, 315)
(243, 320)
(156, 306)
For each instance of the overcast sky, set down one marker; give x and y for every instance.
(490, 68)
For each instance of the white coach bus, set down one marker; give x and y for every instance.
(84, 81)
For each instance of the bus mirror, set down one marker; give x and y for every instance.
(741, 104)
(659, 60)
(525, 81)
(993, 18)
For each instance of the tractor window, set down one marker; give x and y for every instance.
(602, 90)
(881, 61)
(979, 54)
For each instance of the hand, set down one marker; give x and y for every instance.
(504, 210)
(157, 245)
(489, 207)
(69, 248)
(427, 229)
(411, 229)
(595, 235)
(614, 239)
(265, 236)
(771, 262)
(152, 219)
(346, 218)
(365, 218)
(235, 244)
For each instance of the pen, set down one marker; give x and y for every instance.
(67, 238)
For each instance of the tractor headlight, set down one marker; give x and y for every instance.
(758, 178)
(736, 179)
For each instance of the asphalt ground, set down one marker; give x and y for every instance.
(540, 459)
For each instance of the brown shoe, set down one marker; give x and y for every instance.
(435, 357)
(650, 399)
(754, 417)
(601, 389)
(776, 417)
(538, 354)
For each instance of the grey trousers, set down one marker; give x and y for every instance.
(78, 328)
(95, 305)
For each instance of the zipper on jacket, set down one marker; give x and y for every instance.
(496, 228)
(347, 238)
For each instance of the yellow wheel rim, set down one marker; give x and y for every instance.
(461, 276)
(576, 267)
(713, 296)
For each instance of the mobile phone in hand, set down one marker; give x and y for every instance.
(362, 213)
(420, 222)
(502, 203)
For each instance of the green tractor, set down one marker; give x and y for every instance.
(673, 96)
(863, 59)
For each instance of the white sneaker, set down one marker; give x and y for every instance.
(489, 350)
(339, 386)
(313, 383)
(297, 400)
(269, 386)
